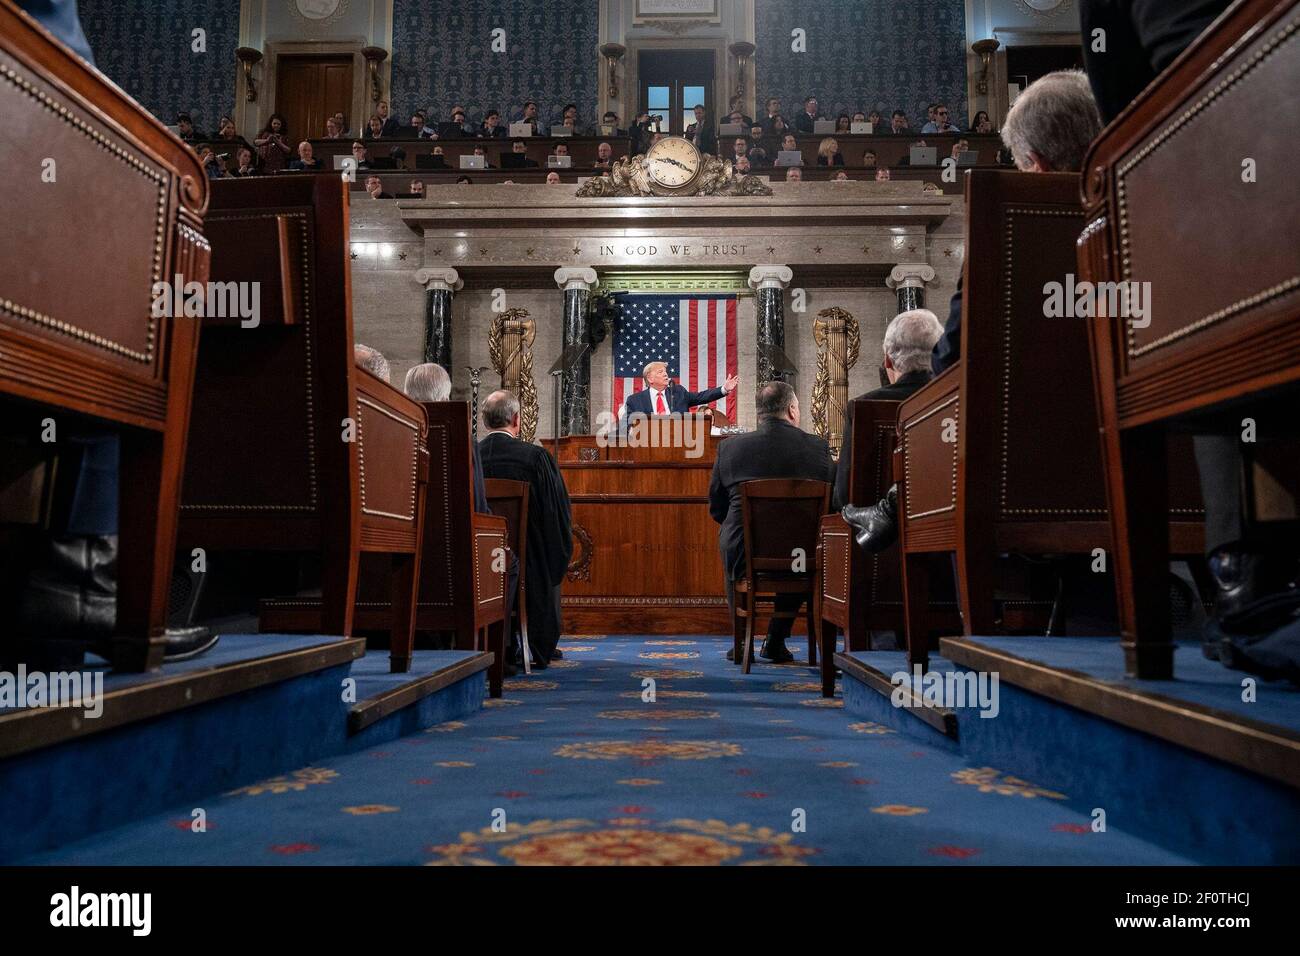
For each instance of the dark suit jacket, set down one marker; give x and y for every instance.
(836, 160)
(803, 123)
(315, 167)
(391, 127)
(903, 388)
(776, 449)
(480, 490)
(1142, 38)
(497, 132)
(550, 528)
(948, 349)
(705, 140)
(678, 398)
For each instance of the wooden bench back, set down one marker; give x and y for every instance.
(1178, 195)
(277, 398)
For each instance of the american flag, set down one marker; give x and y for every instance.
(694, 334)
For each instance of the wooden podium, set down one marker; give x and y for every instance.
(645, 557)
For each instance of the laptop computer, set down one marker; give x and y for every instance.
(450, 130)
(860, 127)
(968, 157)
(473, 162)
(383, 162)
(733, 129)
(923, 156)
(513, 160)
(430, 161)
(606, 130)
(344, 162)
(559, 162)
(520, 129)
(790, 157)
(561, 130)
(823, 127)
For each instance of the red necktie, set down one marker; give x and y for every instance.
(660, 409)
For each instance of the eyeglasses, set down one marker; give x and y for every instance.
(941, 112)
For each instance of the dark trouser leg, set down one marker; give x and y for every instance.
(778, 628)
(1218, 459)
(543, 619)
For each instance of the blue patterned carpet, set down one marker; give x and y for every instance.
(572, 766)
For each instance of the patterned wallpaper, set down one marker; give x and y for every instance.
(441, 47)
(863, 54)
(144, 46)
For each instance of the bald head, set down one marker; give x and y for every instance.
(776, 401)
(501, 411)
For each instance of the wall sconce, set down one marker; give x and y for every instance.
(613, 52)
(249, 58)
(742, 50)
(984, 49)
(374, 56)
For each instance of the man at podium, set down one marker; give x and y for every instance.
(662, 396)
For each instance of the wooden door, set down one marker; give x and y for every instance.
(309, 89)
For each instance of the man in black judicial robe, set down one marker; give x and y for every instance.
(550, 527)
(777, 449)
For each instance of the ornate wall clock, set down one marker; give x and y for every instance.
(673, 164)
(1048, 8)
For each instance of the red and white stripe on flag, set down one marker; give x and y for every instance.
(706, 352)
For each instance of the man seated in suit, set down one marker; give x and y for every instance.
(550, 526)
(519, 146)
(806, 121)
(491, 127)
(610, 119)
(1049, 129)
(305, 162)
(662, 396)
(429, 382)
(909, 339)
(777, 449)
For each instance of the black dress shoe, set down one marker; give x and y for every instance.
(876, 525)
(1247, 588)
(556, 655)
(776, 652)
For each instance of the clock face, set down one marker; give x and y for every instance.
(673, 162)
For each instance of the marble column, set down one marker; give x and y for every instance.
(908, 280)
(769, 284)
(575, 386)
(441, 285)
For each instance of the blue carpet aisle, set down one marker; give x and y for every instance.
(576, 768)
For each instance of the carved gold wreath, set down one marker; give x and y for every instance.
(824, 410)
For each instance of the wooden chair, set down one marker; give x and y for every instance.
(509, 499)
(77, 332)
(292, 447)
(462, 569)
(1000, 453)
(1222, 335)
(780, 515)
(861, 592)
